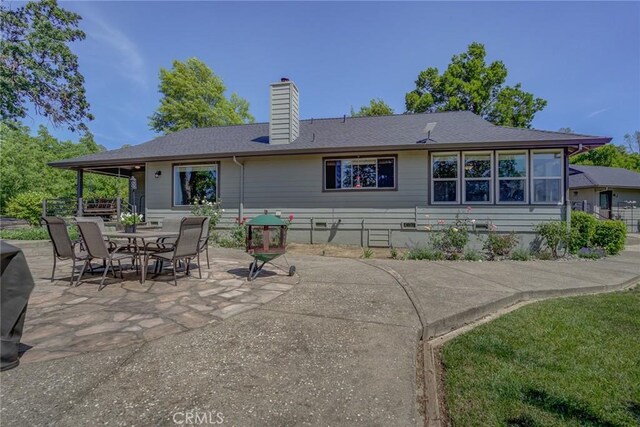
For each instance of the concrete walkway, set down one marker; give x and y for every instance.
(339, 348)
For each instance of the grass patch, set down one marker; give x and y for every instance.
(565, 362)
(33, 233)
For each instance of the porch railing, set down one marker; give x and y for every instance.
(69, 207)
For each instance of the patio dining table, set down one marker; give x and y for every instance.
(144, 236)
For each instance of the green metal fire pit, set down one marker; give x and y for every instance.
(266, 241)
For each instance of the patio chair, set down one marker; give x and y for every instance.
(98, 248)
(204, 241)
(98, 220)
(186, 247)
(63, 247)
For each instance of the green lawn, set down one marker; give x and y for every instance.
(564, 362)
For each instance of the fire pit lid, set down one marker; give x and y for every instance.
(266, 220)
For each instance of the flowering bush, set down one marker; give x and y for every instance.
(499, 245)
(451, 239)
(206, 208)
(237, 236)
(130, 219)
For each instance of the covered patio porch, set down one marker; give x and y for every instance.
(108, 208)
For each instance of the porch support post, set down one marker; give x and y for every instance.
(79, 189)
(567, 192)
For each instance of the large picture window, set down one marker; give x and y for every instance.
(360, 174)
(512, 177)
(444, 178)
(194, 182)
(546, 167)
(477, 177)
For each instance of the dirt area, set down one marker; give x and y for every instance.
(339, 251)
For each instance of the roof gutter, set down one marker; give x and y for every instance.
(241, 204)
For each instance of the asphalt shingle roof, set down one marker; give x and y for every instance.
(601, 176)
(381, 132)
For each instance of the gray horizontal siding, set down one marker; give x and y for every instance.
(518, 220)
(294, 184)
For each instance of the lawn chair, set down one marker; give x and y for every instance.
(204, 241)
(63, 247)
(186, 247)
(98, 248)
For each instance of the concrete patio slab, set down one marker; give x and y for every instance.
(387, 304)
(340, 347)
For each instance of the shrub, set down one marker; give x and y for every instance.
(472, 255)
(499, 245)
(367, 253)
(428, 254)
(583, 226)
(237, 236)
(211, 209)
(451, 240)
(33, 233)
(394, 253)
(544, 255)
(610, 235)
(27, 206)
(521, 254)
(591, 253)
(555, 235)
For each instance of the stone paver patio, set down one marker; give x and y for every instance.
(64, 320)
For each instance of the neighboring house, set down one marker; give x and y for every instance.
(611, 193)
(374, 181)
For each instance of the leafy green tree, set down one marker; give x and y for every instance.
(566, 130)
(193, 97)
(469, 84)
(37, 66)
(376, 107)
(610, 155)
(24, 166)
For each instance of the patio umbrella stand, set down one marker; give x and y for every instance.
(266, 241)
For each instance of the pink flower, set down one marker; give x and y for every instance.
(469, 209)
(290, 217)
(494, 227)
(441, 221)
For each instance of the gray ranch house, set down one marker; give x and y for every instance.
(609, 193)
(370, 181)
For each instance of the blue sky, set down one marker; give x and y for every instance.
(582, 57)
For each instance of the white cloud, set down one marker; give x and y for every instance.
(595, 113)
(127, 59)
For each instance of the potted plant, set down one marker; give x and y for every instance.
(129, 220)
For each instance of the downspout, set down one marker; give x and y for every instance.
(241, 205)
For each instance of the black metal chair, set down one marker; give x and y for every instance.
(63, 247)
(186, 247)
(98, 248)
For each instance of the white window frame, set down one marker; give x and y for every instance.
(525, 178)
(373, 159)
(462, 171)
(532, 177)
(173, 179)
(457, 178)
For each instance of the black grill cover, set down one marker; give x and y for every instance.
(16, 284)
